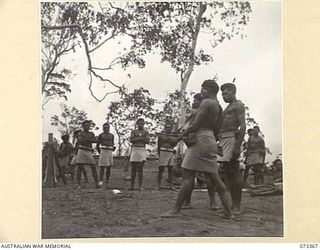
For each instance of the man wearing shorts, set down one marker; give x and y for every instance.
(105, 147)
(231, 136)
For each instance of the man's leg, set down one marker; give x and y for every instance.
(101, 174)
(235, 184)
(108, 173)
(72, 170)
(256, 174)
(262, 174)
(63, 174)
(85, 175)
(211, 192)
(187, 203)
(80, 168)
(170, 176)
(95, 175)
(246, 174)
(140, 175)
(223, 193)
(161, 168)
(133, 174)
(185, 189)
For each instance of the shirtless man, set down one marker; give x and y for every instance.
(202, 155)
(166, 143)
(73, 162)
(247, 167)
(256, 155)
(139, 138)
(231, 135)
(105, 147)
(197, 98)
(64, 154)
(85, 155)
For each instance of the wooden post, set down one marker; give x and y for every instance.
(50, 182)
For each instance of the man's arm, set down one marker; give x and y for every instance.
(98, 144)
(240, 112)
(134, 138)
(91, 139)
(147, 138)
(159, 144)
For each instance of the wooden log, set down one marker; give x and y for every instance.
(50, 176)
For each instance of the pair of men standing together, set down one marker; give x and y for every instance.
(202, 155)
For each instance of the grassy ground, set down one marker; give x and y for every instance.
(68, 212)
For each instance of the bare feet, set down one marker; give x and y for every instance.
(236, 211)
(228, 217)
(215, 207)
(186, 206)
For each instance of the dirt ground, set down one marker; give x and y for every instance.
(68, 212)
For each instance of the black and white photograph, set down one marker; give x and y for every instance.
(161, 119)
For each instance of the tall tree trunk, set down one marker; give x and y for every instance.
(186, 76)
(119, 140)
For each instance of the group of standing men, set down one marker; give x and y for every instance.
(208, 128)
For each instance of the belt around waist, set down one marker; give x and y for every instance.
(204, 132)
(166, 149)
(138, 146)
(85, 147)
(227, 134)
(106, 147)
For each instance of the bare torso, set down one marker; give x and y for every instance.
(230, 120)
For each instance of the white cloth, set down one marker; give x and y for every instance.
(85, 157)
(166, 158)
(105, 157)
(138, 154)
(227, 142)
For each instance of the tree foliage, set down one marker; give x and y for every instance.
(70, 120)
(123, 115)
(67, 26)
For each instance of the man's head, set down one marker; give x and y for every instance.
(140, 123)
(197, 98)
(106, 128)
(250, 131)
(255, 130)
(86, 125)
(65, 138)
(209, 88)
(168, 127)
(228, 92)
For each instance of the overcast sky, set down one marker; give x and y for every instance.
(255, 62)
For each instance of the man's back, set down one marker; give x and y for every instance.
(207, 115)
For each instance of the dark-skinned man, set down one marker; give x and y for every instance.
(166, 144)
(105, 147)
(85, 154)
(139, 138)
(231, 136)
(201, 155)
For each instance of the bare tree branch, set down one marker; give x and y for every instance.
(87, 51)
(113, 34)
